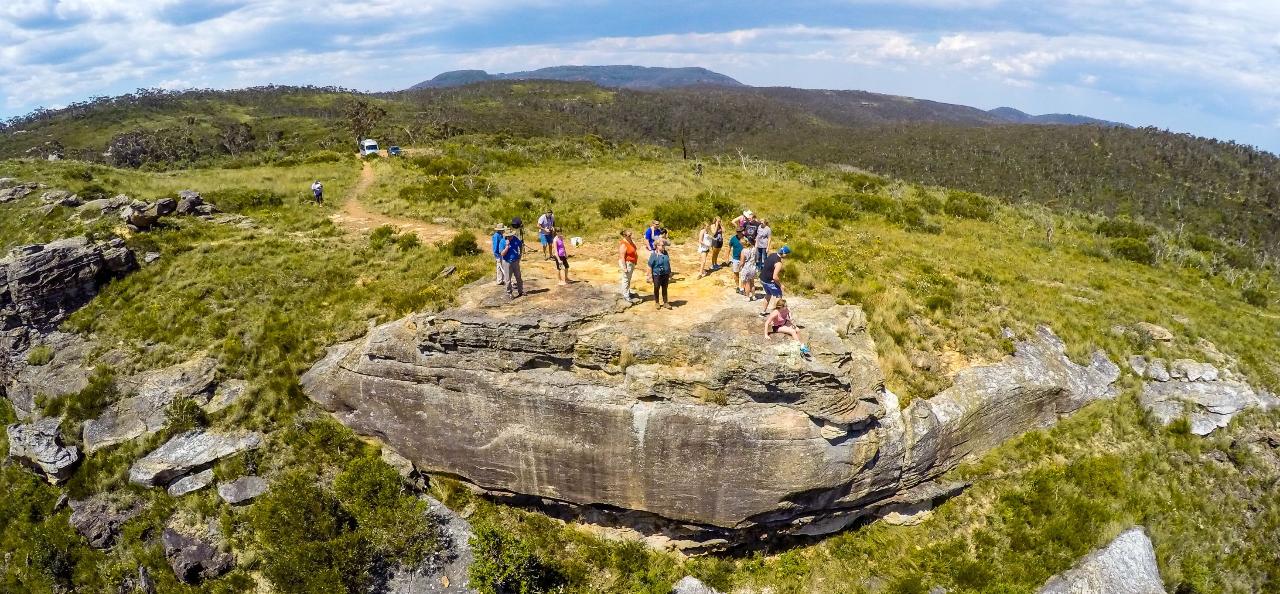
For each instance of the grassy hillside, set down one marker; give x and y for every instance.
(939, 271)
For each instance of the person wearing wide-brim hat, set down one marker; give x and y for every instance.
(499, 231)
(512, 250)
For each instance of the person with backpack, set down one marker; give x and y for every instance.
(660, 275)
(771, 277)
(749, 270)
(517, 225)
(750, 227)
(627, 259)
(546, 233)
(512, 251)
(763, 235)
(499, 231)
(561, 256)
(735, 259)
(317, 192)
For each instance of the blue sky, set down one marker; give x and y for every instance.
(1209, 67)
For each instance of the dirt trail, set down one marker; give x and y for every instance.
(595, 261)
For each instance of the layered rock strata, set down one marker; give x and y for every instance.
(690, 423)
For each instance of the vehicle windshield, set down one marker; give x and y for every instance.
(370, 147)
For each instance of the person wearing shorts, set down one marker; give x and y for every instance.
(561, 256)
(771, 277)
(547, 233)
(735, 258)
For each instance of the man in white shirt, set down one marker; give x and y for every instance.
(546, 232)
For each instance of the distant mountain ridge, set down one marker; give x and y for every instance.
(619, 76)
(849, 107)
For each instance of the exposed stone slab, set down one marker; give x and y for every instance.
(1126, 566)
(150, 394)
(194, 560)
(99, 518)
(243, 489)
(39, 446)
(191, 483)
(188, 452)
(1207, 405)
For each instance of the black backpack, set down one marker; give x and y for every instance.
(516, 223)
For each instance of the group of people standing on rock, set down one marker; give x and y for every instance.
(749, 259)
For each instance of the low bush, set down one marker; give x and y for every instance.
(1124, 227)
(322, 157)
(864, 182)
(877, 203)
(682, 214)
(1133, 250)
(244, 199)
(1255, 297)
(506, 565)
(834, 210)
(967, 205)
(462, 244)
(614, 208)
(41, 354)
(460, 190)
(396, 524)
(443, 165)
(912, 217)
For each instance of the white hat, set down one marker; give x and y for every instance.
(748, 214)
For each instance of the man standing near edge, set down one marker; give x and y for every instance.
(512, 249)
(763, 235)
(546, 232)
(498, 231)
(771, 277)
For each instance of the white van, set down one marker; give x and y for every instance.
(368, 147)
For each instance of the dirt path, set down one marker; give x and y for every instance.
(594, 262)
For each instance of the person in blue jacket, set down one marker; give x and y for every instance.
(653, 233)
(498, 231)
(512, 250)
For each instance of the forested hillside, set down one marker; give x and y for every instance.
(1176, 181)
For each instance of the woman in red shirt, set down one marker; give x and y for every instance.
(626, 262)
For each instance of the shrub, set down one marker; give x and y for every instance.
(614, 208)
(407, 241)
(1124, 227)
(243, 199)
(41, 354)
(463, 191)
(864, 182)
(967, 205)
(877, 203)
(929, 202)
(911, 216)
(183, 415)
(395, 523)
(309, 541)
(322, 157)
(462, 244)
(443, 165)
(380, 236)
(1133, 250)
(833, 209)
(682, 214)
(1255, 297)
(506, 565)
(1202, 243)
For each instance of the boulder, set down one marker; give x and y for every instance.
(191, 483)
(1157, 371)
(570, 398)
(691, 585)
(17, 192)
(189, 452)
(61, 198)
(242, 490)
(192, 559)
(162, 208)
(39, 446)
(1153, 332)
(150, 257)
(188, 202)
(1207, 405)
(1126, 566)
(99, 518)
(138, 218)
(150, 394)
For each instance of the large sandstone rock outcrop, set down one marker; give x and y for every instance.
(687, 423)
(1126, 566)
(41, 284)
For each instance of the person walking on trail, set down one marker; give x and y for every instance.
(654, 233)
(546, 233)
(771, 277)
(561, 255)
(717, 242)
(704, 249)
(735, 259)
(512, 250)
(317, 192)
(747, 277)
(627, 259)
(660, 275)
(763, 235)
(499, 231)
(779, 321)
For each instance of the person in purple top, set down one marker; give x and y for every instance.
(561, 256)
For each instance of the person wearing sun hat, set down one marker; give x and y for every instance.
(512, 250)
(499, 231)
(771, 277)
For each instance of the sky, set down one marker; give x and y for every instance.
(1208, 67)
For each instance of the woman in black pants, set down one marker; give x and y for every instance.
(660, 274)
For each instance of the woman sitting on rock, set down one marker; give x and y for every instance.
(780, 321)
